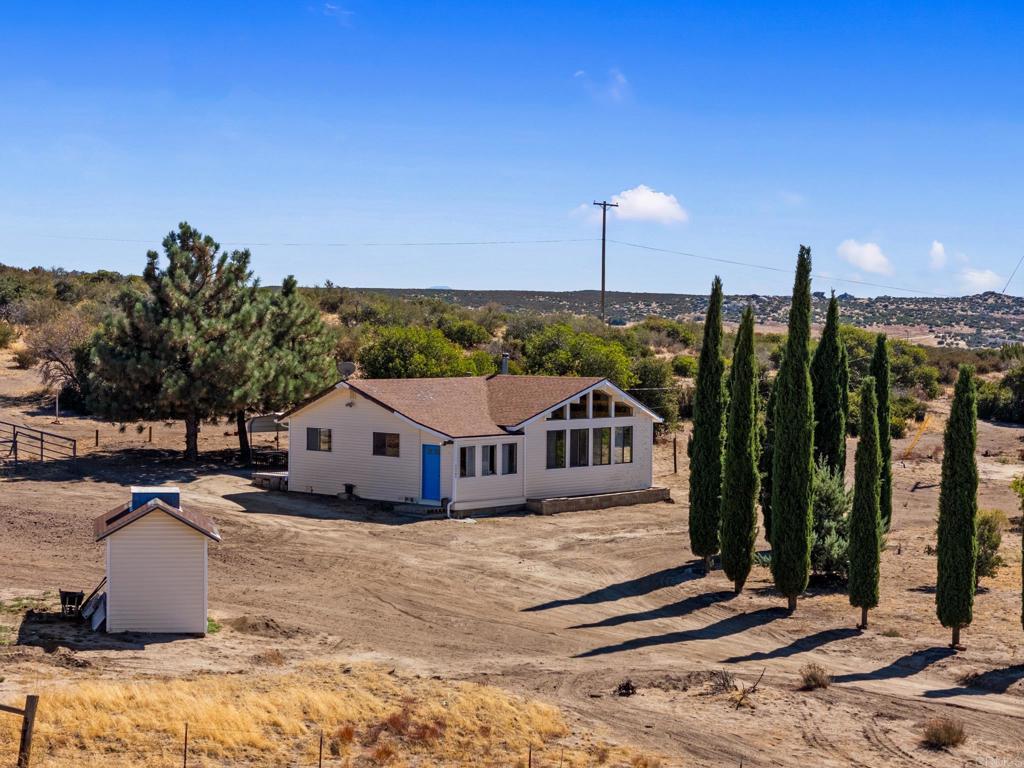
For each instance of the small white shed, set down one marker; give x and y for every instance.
(156, 563)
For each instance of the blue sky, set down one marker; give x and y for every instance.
(886, 136)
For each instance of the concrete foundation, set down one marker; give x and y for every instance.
(597, 501)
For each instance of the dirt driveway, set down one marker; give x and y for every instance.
(565, 608)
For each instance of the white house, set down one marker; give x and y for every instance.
(156, 563)
(471, 442)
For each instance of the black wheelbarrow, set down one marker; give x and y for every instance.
(71, 603)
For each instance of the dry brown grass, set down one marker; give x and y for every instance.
(944, 732)
(269, 719)
(814, 676)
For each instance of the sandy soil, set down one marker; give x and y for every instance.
(562, 608)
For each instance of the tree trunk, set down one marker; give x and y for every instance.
(737, 587)
(863, 618)
(244, 449)
(707, 564)
(956, 639)
(791, 603)
(192, 437)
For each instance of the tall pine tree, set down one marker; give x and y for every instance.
(295, 358)
(740, 475)
(958, 510)
(880, 372)
(865, 545)
(829, 375)
(183, 349)
(794, 446)
(705, 444)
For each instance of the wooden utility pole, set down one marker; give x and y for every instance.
(605, 205)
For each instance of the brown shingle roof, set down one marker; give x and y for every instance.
(123, 515)
(472, 406)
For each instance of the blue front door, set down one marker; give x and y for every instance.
(431, 473)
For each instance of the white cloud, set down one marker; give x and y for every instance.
(335, 11)
(614, 88)
(979, 280)
(866, 256)
(641, 203)
(937, 255)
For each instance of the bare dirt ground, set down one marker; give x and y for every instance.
(560, 608)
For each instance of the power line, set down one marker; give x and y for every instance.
(1010, 278)
(769, 268)
(354, 244)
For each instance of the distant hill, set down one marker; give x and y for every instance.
(982, 320)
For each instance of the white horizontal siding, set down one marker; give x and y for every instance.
(544, 483)
(489, 490)
(352, 420)
(156, 577)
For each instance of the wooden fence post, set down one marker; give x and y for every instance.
(320, 759)
(151, 433)
(28, 721)
(97, 438)
(675, 457)
(184, 749)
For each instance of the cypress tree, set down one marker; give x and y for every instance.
(958, 508)
(865, 518)
(705, 444)
(740, 475)
(880, 372)
(767, 457)
(828, 378)
(794, 446)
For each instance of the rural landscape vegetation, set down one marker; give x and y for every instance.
(836, 511)
(514, 385)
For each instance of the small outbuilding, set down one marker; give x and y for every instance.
(156, 563)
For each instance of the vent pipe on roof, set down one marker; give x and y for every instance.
(504, 363)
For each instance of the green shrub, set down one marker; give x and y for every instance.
(684, 366)
(830, 507)
(25, 358)
(465, 333)
(7, 334)
(990, 536)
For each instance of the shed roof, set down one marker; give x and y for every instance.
(123, 515)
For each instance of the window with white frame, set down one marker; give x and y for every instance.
(558, 414)
(488, 459)
(467, 461)
(509, 459)
(623, 409)
(578, 409)
(623, 445)
(602, 446)
(602, 404)
(556, 449)
(579, 447)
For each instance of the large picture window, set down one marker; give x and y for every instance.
(385, 444)
(556, 449)
(623, 445)
(488, 460)
(509, 459)
(622, 409)
(602, 446)
(602, 404)
(318, 439)
(579, 448)
(467, 461)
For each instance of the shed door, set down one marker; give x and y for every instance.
(431, 489)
